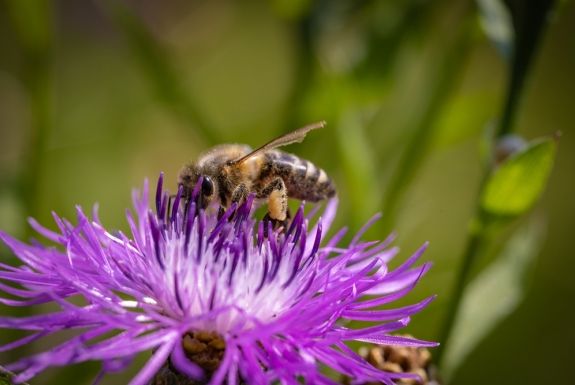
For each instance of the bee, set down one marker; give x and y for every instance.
(230, 172)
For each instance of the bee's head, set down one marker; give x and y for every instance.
(188, 178)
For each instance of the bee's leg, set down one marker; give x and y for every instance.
(276, 224)
(276, 193)
(222, 208)
(239, 196)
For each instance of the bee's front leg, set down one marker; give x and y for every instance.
(221, 212)
(276, 193)
(239, 196)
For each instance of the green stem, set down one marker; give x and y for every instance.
(472, 249)
(158, 67)
(39, 88)
(32, 23)
(527, 39)
(423, 134)
(529, 21)
(304, 69)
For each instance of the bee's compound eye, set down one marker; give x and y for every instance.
(207, 186)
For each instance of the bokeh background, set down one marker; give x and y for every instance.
(97, 95)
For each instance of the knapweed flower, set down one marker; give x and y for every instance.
(214, 300)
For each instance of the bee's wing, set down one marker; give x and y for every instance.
(296, 136)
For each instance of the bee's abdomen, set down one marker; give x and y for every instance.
(303, 179)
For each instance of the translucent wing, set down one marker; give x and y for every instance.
(296, 136)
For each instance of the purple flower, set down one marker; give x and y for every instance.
(275, 309)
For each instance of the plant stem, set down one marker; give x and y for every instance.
(529, 24)
(303, 71)
(32, 23)
(158, 67)
(423, 134)
(473, 247)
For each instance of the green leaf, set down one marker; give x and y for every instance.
(515, 186)
(493, 295)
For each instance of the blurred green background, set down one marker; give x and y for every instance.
(97, 95)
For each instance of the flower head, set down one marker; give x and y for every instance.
(214, 299)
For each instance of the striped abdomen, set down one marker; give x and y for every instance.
(302, 178)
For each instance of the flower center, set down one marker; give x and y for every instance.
(206, 349)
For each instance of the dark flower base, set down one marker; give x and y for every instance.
(402, 359)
